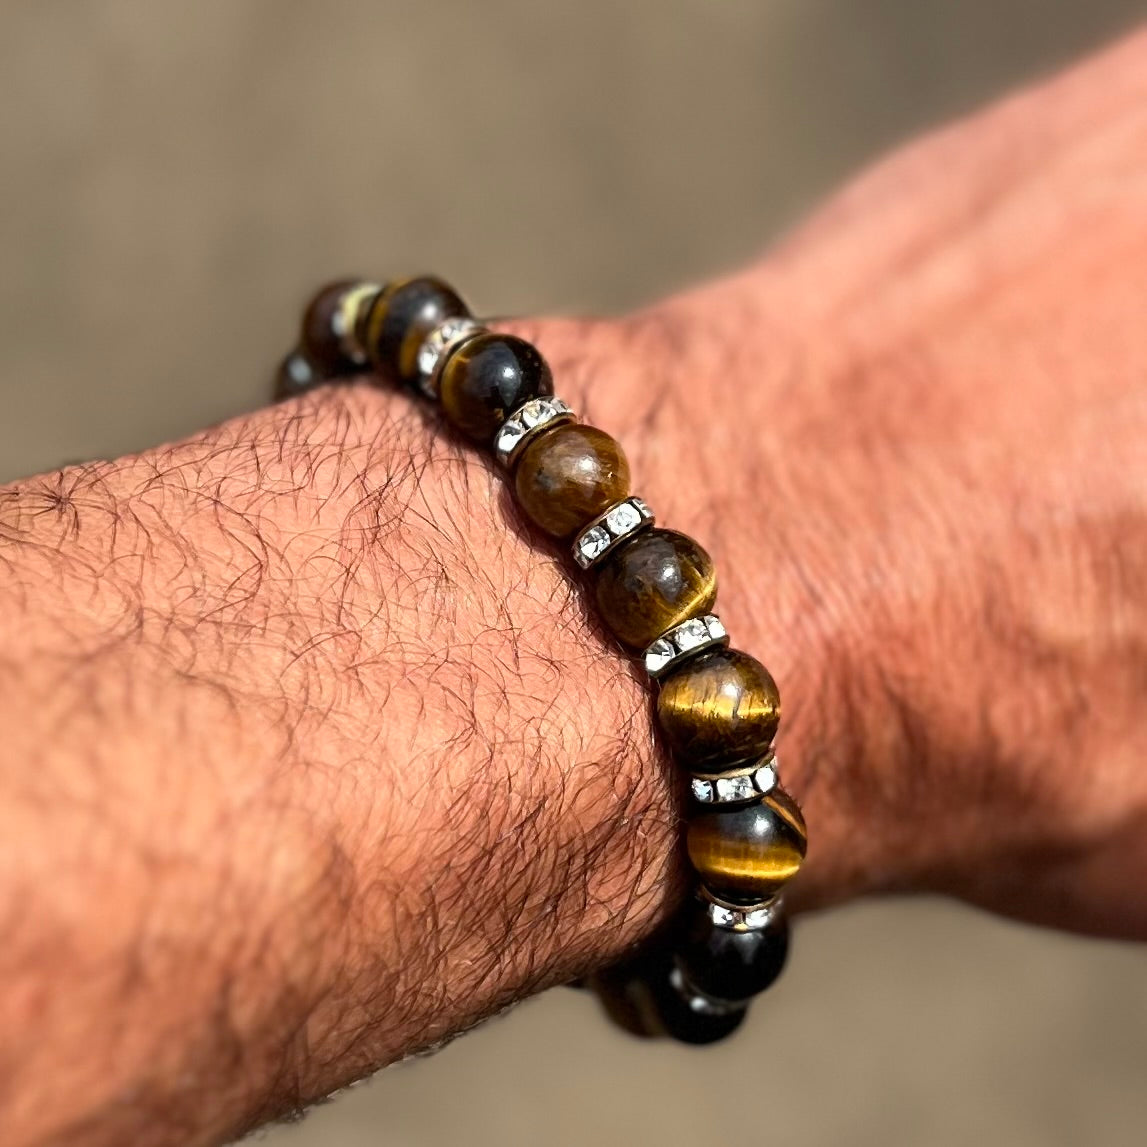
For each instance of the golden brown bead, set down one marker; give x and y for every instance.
(486, 378)
(749, 851)
(402, 315)
(569, 475)
(719, 710)
(652, 583)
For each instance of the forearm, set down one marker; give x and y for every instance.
(330, 762)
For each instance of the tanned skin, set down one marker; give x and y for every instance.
(314, 757)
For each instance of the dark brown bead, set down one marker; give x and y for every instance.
(569, 475)
(652, 583)
(719, 710)
(752, 850)
(319, 340)
(402, 315)
(486, 378)
(640, 997)
(729, 965)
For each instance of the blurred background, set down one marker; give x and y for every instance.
(177, 177)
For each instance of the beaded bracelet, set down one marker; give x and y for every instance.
(717, 708)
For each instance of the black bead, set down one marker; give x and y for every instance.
(730, 965)
(401, 318)
(486, 378)
(678, 1020)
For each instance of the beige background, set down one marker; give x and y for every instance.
(176, 176)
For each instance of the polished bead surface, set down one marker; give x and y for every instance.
(640, 996)
(727, 964)
(320, 339)
(486, 378)
(569, 475)
(718, 710)
(652, 583)
(750, 850)
(403, 314)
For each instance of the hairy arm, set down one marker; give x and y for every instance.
(312, 757)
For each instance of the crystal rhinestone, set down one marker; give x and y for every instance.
(510, 434)
(716, 630)
(435, 345)
(724, 917)
(535, 412)
(734, 788)
(702, 790)
(658, 656)
(690, 634)
(623, 518)
(592, 544)
(759, 918)
(765, 778)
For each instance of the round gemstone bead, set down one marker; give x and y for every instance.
(641, 997)
(569, 475)
(652, 583)
(750, 850)
(321, 339)
(486, 378)
(729, 965)
(719, 710)
(402, 315)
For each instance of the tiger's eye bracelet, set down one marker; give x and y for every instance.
(717, 708)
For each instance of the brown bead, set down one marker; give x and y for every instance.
(749, 851)
(319, 339)
(486, 378)
(652, 583)
(719, 710)
(569, 475)
(402, 315)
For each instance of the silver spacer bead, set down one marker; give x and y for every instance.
(619, 522)
(683, 641)
(742, 917)
(345, 319)
(697, 1000)
(533, 416)
(439, 345)
(745, 785)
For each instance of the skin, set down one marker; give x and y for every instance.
(314, 756)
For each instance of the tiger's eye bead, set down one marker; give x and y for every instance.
(489, 376)
(403, 314)
(731, 965)
(567, 476)
(652, 583)
(752, 850)
(320, 340)
(719, 710)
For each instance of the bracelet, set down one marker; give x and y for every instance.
(717, 708)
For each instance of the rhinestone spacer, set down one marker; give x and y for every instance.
(682, 641)
(697, 1000)
(345, 320)
(619, 522)
(746, 785)
(530, 418)
(741, 917)
(439, 345)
